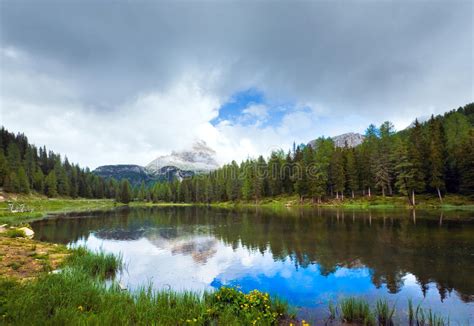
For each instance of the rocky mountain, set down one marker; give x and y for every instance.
(352, 139)
(199, 159)
(134, 173)
(179, 164)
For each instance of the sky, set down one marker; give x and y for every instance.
(117, 82)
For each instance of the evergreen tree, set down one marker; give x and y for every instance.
(11, 183)
(467, 165)
(125, 194)
(23, 183)
(51, 189)
(38, 181)
(436, 161)
(416, 156)
(13, 156)
(350, 168)
(3, 167)
(337, 173)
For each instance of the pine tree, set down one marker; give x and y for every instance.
(3, 167)
(125, 194)
(350, 168)
(417, 159)
(13, 156)
(23, 183)
(436, 161)
(337, 173)
(248, 184)
(38, 181)
(467, 165)
(51, 189)
(141, 192)
(11, 183)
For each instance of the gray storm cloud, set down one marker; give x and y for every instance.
(376, 58)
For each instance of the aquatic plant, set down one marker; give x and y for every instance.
(424, 317)
(355, 310)
(384, 312)
(96, 264)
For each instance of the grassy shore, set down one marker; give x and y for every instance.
(39, 207)
(450, 202)
(80, 295)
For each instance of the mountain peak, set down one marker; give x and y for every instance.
(198, 159)
(352, 139)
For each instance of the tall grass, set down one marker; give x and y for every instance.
(355, 310)
(384, 312)
(96, 264)
(420, 316)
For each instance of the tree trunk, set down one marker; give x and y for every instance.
(390, 190)
(369, 192)
(383, 191)
(352, 194)
(413, 197)
(439, 195)
(337, 194)
(342, 195)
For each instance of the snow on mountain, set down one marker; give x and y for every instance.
(199, 159)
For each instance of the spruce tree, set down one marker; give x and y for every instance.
(11, 183)
(3, 167)
(337, 173)
(435, 159)
(125, 192)
(350, 168)
(23, 183)
(467, 165)
(38, 181)
(51, 189)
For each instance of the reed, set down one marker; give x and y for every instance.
(355, 310)
(384, 312)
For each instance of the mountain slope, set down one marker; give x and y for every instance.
(178, 165)
(352, 139)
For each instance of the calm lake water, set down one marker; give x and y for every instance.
(307, 256)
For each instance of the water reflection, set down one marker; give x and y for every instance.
(308, 256)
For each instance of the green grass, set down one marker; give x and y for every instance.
(355, 310)
(384, 313)
(450, 202)
(78, 295)
(420, 316)
(14, 233)
(39, 206)
(96, 264)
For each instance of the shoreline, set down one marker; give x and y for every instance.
(41, 207)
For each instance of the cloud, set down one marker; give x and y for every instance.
(121, 82)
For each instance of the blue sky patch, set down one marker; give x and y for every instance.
(236, 109)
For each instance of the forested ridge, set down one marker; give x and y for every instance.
(24, 168)
(436, 156)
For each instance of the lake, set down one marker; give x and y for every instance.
(307, 256)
